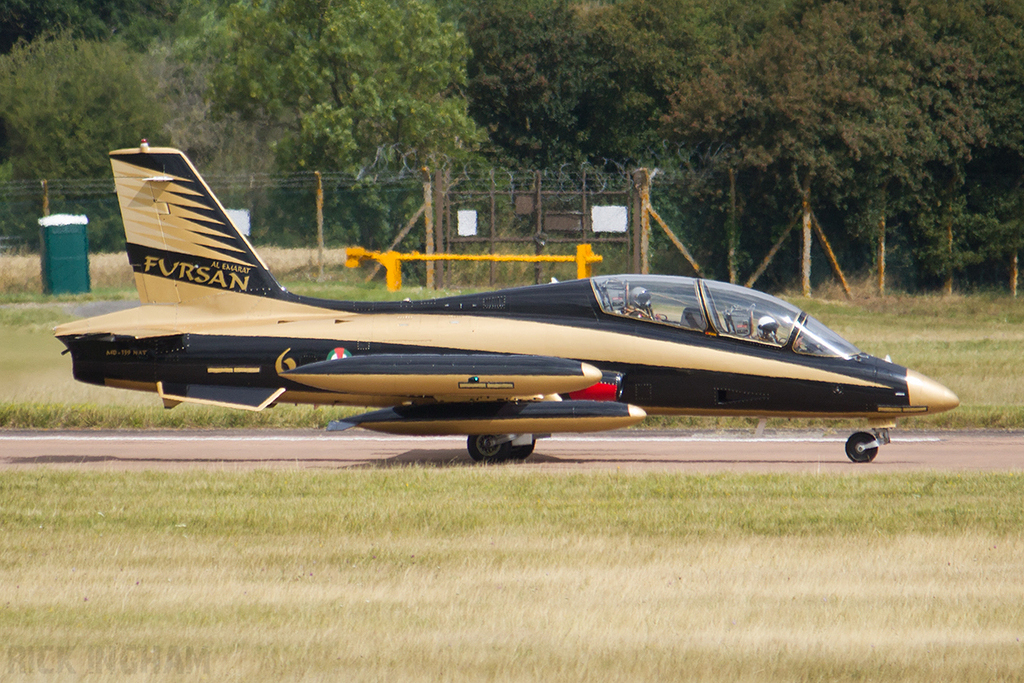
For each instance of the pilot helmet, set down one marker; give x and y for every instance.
(767, 325)
(641, 297)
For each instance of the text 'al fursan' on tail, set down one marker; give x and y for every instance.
(182, 245)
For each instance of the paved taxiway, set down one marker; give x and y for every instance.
(674, 451)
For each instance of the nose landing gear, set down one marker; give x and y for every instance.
(863, 447)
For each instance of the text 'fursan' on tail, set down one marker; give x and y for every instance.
(182, 245)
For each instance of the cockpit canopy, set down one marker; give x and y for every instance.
(721, 308)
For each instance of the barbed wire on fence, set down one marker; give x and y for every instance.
(394, 164)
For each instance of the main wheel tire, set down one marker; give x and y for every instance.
(482, 447)
(523, 452)
(855, 449)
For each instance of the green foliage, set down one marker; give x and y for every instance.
(345, 78)
(994, 183)
(530, 74)
(829, 94)
(897, 113)
(865, 106)
(133, 21)
(639, 49)
(642, 50)
(65, 102)
(564, 82)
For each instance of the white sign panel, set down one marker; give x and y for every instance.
(240, 217)
(467, 223)
(609, 218)
(63, 219)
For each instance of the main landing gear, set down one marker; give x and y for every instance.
(500, 447)
(863, 447)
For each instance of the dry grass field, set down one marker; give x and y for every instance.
(20, 273)
(491, 574)
(496, 574)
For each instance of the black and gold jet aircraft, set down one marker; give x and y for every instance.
(503, 368)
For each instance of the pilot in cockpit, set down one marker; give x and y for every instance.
(768, 329)
(639, 304)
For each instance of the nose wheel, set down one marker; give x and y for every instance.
(863, 447)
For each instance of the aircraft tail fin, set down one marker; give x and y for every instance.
(182, 244)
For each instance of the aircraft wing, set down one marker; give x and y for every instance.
(470, 393)
(535, 417)
(448, 378)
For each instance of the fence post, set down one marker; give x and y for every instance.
(448, 224)
(948, 288)
(881, 242)
(585, 225)
(494, 265)
(645, 221)
(46, 197)
(833, 261)
(881, 255)
(428, 218)
(1014, 270)
(733, 276)
(638, 209)
(538, 238)
(771, 253)
(439, 226)
(320, 222)
(805, 260)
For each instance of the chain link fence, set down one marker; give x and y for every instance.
(472, 210)
(512, 212)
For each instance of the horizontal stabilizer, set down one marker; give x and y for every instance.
(497, 418)
(245, 398)
(448, 377)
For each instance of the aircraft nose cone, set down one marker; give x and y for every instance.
(924, 391)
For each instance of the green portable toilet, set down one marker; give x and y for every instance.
(64, 250)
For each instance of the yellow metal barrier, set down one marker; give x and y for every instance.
(392, 260)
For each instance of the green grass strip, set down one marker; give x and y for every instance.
(15, 415)
(92, 416)
(447, 504)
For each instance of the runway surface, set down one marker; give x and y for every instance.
(646, 450)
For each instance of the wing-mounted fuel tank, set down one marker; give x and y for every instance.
(521, 417)
(448, 377)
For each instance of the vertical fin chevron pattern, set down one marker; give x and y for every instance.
(181, 242)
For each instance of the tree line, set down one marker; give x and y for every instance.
(898, 122)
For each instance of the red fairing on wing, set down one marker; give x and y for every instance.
(602, 391)
(608, 389)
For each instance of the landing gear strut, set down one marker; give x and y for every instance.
(863, 447)
(500, 447)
